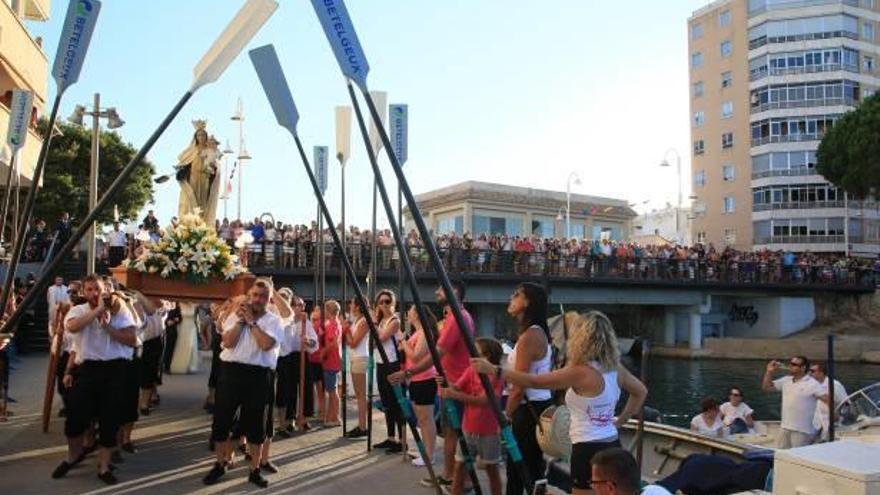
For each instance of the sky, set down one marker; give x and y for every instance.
(514, 92)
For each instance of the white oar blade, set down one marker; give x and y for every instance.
(275, 86)
(343, 39)
(79, 24)
(343, 134)
(245, 24)
(398, 124)
(379, 99)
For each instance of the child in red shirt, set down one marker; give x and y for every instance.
(315, 373)
(331, 362)
(478, 423)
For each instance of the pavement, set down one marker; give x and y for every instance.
(173, 453)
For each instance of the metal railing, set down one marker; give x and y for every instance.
(788, 138)
(798, 3)
(824, 102)
(765, 71)
(301, 257)
(763, 40)
(789, 172)
(801, 205)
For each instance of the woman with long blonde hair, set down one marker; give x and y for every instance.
(594, 378)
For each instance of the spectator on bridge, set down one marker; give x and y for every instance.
(151, 223)
(708, 422)
(821, 417)
(800, 395)
(735, 413)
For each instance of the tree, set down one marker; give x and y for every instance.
(849, 154)
(66, 176)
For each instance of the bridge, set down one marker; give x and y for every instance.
(670, 301)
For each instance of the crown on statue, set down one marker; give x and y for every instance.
(200, 124)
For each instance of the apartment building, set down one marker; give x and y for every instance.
(767, 79)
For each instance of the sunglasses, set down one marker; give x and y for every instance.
(734, 394)
(795, 363)
(385, 301)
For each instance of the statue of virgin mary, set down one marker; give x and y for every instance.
(198, 174)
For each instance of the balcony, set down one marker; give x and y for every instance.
(37, 10)
(789, 138)
(803, 205)
(794, 4)
(791, 172)
(763, 40)
(763, 72)
(27, 157)
(824, 102)
(22, 61)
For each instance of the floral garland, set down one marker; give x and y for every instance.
(191, 251)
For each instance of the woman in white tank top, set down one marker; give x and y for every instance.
(389, 335)
(358, 342)
(594, 378)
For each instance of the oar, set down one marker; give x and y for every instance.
(79, 24)
(301, 405)
(245, 24)
(16, 135)
(341, 35)
(274, 83)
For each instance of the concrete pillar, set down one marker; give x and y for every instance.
(468, 215)
(695, 341)
(669, 328)
(485, 321)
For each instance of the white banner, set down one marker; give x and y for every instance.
(343, 134)
(19, 118)
(320, 164)
(398, 129)
(380, 99)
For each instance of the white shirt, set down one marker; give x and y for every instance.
(389, 345)
(116, 238)
(292, 336)
(55, 295)
(154, 325)
(699, 424)
(92, 342)
(362, 349)
(821, 416)
(732, 413)
(655, 490)
(592, 418)
(246, 350)
(799, 400)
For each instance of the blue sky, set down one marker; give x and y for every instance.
(515, 92)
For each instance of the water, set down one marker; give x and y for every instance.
(675, 386)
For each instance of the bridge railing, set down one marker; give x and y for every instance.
(278, 256)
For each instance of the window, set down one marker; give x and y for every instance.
(729, 204)
(868, 31)
(727, 172)
(730, 236)
(868, 63)
(698, 89)
(697, 60)
(696, 31)
(726, 79)
(699, 147)
(723, 19)
(727, 48)
(699, 118)
(727, 140)
(700, 178)
(701, 238)
(868, 4)
(544, 227)
(727, 110)
(451, 224)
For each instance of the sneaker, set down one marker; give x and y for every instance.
(108, 477)
(395, 448)
(129, 447)
(418, 462)
(269, 467)
(443, 482)
(256, 478)
(357, 432)
(385, 444)
(61, 470)
(214, 474)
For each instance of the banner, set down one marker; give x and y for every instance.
(343, 134)
(274, 83)
(82, 15)
(19, 118)
(320, 160)
(380, 99)
(398, 130)
(340, 33)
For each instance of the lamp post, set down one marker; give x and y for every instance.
(226, 152)
(242, 151)
(577, 181)
(665, 163)
(113, 122)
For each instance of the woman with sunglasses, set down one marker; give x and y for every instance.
(388, 326)
(357, 340)
(735, 413)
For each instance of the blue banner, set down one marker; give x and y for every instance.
(320, 164)
(19, 118)
(275, 86)
(340, 33)
(82, 15)
(398, 116)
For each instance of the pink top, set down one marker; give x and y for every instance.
(331, 361)
(456, 358)
(478, 420)
(415, 341)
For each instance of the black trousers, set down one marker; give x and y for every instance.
(314, 374)
(524, 422)
(115, 255)
(132, 390)
(59, 376)
(170, 342)
(97, 393)
(285, 394)
(246, 388)
(151, 363)
(215, 360)
(394, 421)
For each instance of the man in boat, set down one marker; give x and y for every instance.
(822, 416)
(615, 472)
(800, 395)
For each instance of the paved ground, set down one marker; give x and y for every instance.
(173, 454)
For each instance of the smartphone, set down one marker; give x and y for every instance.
(540, 487)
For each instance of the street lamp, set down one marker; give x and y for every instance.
(225, 196)
(242, 151)
(665, 163)
(113, 122)
(577, 181)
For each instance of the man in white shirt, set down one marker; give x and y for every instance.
(822, 415)
(250, 341)
(55, 295)
(800, 394)
(103, 348)
(117, 242)
(290, 364)
(615, 472)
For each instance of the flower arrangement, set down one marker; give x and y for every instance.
(191, 251)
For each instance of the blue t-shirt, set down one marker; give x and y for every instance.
(258, 233)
